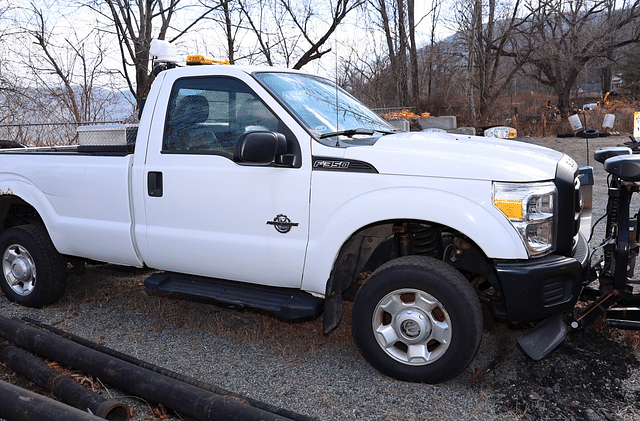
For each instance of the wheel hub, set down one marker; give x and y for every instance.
(21, 270)
(413, 326)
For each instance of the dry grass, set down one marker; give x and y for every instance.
(621, 109)
(87, 381)
(631, 337)
(293, 339)
(536, 114)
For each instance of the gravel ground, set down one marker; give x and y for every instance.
(593, 375)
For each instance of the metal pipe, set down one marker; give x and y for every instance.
(62, 387)
(623, 324)
(186, 379)
(181, 397)
(19, 404)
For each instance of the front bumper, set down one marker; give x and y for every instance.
(537, 288)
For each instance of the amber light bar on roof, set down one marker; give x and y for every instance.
(197, 60)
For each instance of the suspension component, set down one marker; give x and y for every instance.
(422, 239)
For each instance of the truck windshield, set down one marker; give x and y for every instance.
(326, 110)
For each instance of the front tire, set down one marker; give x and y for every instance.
(33, 272)
(417, 319)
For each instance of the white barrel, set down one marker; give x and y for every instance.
(609, 119)
(574, 120)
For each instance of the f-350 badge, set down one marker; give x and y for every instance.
(282, 223)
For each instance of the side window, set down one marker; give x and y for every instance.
(207, 115)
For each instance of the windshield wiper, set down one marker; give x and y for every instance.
(353, 132)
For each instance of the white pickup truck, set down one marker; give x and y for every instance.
(273, 189)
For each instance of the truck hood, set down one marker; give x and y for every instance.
(458, 156)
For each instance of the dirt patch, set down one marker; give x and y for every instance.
(583, 379)
(591, 376)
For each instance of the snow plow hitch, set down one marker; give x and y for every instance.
(612, 299)
(609, 285)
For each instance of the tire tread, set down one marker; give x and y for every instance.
(51, 275)
(377, 285)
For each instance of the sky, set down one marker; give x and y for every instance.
(63, 18)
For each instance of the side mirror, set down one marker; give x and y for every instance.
(259, 148)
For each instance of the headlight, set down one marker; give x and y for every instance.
(530, 207)
(502, 132)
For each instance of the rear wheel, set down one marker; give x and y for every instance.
(33, 272)
(417, 319)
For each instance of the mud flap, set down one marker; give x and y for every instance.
(544, 338)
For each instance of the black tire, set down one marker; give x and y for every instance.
(420, 302)
(33, 272)
(588, 133)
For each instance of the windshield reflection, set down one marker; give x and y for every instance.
(320, 105)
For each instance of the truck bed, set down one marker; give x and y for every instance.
(82, 196)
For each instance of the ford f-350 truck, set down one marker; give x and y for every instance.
(274, 189)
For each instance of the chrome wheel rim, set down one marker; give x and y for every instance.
(412, 327)
(19, 269)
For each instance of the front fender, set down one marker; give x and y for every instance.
(464, 205)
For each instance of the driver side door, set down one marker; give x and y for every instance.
(209, 215)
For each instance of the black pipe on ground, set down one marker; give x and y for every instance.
(186, 379)
(181, 397)
(62, 387)
(19, 404)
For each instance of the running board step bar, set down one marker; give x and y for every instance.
(288, 303)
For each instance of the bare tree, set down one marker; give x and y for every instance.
(391, 20)
(259, 26)
(294, 33)
(134, 29)
(9, 84)
(5, 24)
(43, 39)
(606, 71)
(488, 32)
(228, 26)
(500, 58)
(338, 12)
(444, 69)
(59, 78)
(628, 67)
(430, 62)
(475, 27)
(396, 19)
(565, 35)
(74, 60)
(365, 73)
(413, 52)
(135, 24)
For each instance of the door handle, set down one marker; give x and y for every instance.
(154, 183)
